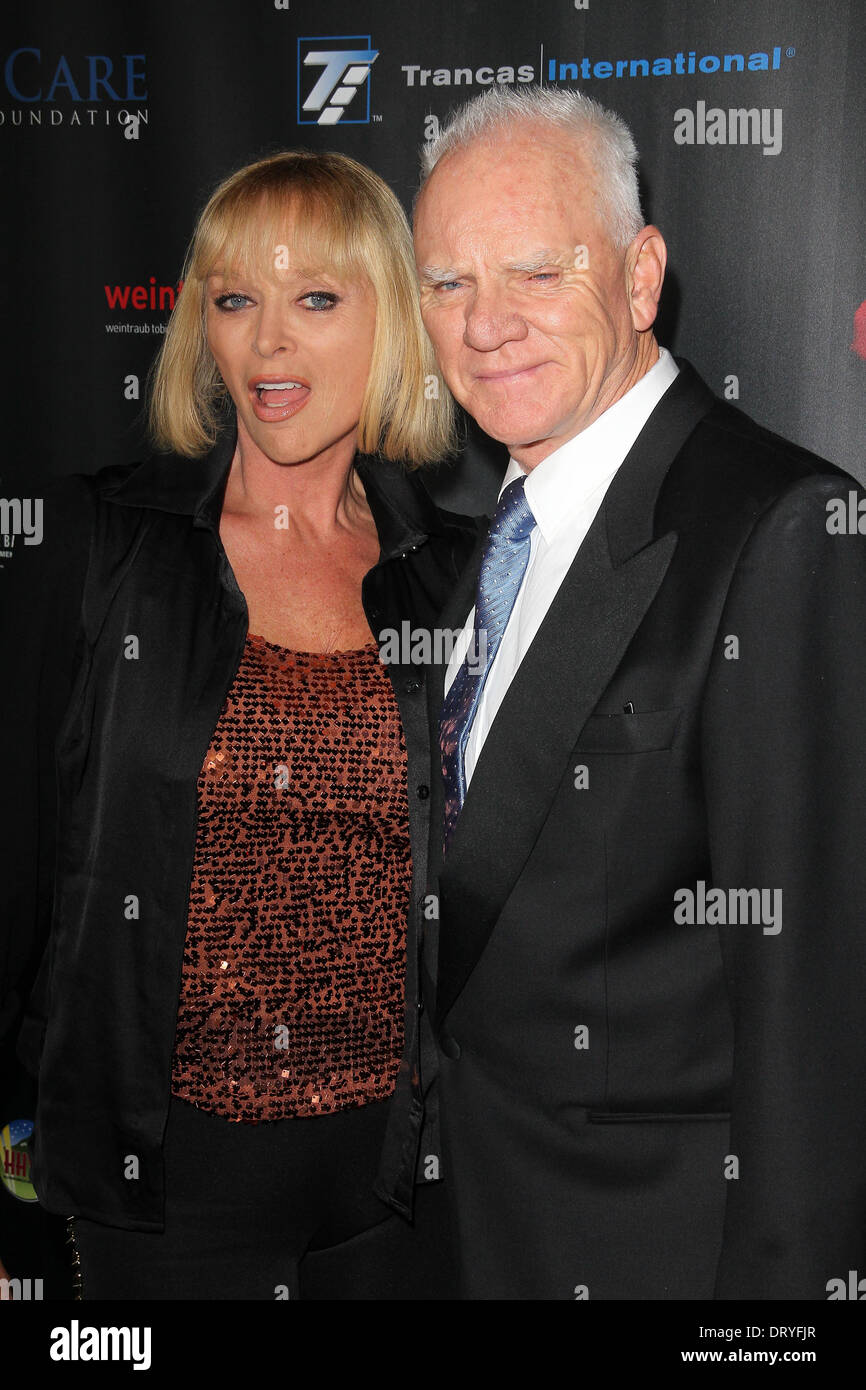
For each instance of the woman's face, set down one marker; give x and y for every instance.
(294, 351)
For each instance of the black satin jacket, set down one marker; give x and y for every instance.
(124, 629)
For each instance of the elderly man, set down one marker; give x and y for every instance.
(649, 992)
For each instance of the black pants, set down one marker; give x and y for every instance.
(283, 1209)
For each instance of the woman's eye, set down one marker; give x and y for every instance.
(319, 300)
(231, 302)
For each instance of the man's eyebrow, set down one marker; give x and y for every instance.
(435, 273)
(541, 258)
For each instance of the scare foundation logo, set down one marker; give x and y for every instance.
(74, 89)
(334, 80)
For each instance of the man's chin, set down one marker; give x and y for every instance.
(520, 442)
(513, 433)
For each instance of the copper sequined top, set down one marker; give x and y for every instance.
(291, 1000)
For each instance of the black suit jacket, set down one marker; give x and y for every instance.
(634, 1105)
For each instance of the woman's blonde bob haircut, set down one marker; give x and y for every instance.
(334, 215)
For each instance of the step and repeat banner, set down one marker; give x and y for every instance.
(116, 122)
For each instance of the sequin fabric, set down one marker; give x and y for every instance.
(291, 999)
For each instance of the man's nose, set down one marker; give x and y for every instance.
(492, 321)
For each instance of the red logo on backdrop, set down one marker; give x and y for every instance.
(134, 302)
(142, 297)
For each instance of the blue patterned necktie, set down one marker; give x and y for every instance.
(503, 566)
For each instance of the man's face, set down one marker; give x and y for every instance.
(526, 302)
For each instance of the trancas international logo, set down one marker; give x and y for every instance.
(334, 80)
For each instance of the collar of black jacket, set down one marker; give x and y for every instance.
(404, 513)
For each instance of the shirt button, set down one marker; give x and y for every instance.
(412, 687)
(423, 791)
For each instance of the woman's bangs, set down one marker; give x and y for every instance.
(296, 231)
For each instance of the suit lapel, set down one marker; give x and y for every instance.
(614, 578)
(558, 684)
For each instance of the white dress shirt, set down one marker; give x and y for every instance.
(564, 492)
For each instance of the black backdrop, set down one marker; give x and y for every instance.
(767, 262)
(116, 121)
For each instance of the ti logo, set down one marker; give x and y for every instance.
(331, 72)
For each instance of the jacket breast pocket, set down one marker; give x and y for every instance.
(649, 731)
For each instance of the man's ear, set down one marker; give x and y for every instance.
(645, 262)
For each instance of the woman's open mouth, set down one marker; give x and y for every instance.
(277, 398)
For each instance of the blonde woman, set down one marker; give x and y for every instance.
(230, 1058)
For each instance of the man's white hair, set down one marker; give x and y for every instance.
(602, 135)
